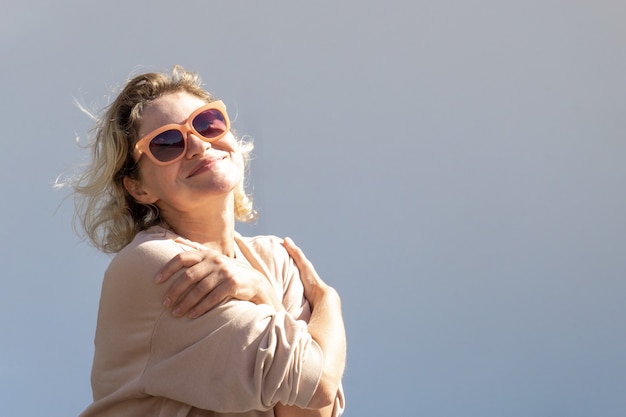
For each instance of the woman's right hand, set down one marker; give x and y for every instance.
(211, 278)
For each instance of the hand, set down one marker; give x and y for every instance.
(314, 287)
(211, 278)
(327, 329)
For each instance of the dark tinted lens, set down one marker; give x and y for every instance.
(210, 123)
(167, 145)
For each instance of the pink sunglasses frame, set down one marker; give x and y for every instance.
(143, 145)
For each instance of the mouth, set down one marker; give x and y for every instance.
(205, 164)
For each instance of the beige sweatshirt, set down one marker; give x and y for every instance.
(238, 359)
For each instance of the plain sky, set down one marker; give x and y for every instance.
(455, 168)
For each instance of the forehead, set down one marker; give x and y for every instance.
(171, 108)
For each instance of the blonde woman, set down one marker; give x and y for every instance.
(244, 326)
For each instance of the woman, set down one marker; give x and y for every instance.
(262, 334)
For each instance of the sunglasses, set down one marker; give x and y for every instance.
(168, 143)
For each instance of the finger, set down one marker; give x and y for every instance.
(298, 256)
(218, 295)
(201, 291)
(183, 259)
(308, 275)
(197, 273)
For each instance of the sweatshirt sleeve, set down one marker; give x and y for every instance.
(238, 357)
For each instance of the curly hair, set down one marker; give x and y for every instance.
(107, 214)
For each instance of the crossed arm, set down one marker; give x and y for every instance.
(211, 278)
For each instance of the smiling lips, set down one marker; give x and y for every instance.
(205, 164)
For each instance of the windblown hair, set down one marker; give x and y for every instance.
(107, 214)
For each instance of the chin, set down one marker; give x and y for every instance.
(223, 185)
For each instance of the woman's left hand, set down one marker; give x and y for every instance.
(211, 278)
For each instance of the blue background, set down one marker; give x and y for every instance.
(456, 169)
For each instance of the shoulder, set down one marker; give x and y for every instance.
(130, 300)
(153, 243)
(149, 251)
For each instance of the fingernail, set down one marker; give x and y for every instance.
(193, 315)
(158, 278)
(167, 302)
(176, 312)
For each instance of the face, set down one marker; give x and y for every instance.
(208, 170)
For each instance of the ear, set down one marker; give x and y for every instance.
(136, 190)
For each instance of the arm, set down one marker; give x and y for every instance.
(211, 278)
(327, 329)
(237, 357)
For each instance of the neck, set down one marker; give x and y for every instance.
(212, 226)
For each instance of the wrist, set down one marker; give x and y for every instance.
(322, 294)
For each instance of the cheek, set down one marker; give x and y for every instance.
(238, 157)
(228, 143)
(155, 177)
(239, 163)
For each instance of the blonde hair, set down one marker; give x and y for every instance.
(108, 215)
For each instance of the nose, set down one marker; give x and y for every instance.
(196, 146)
